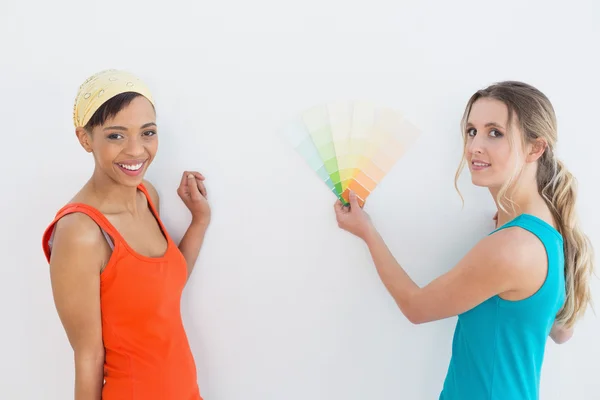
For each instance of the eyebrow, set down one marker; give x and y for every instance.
(489, 124)
(122, 128)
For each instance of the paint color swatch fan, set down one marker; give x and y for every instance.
(351, 145)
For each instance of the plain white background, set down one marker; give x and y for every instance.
(282, 304)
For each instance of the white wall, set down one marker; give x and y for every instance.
(282, 304)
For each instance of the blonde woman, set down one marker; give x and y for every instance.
(524, 282)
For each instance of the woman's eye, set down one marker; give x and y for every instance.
(495, 133)
(115, 136)
(149, 133)
(471, 132)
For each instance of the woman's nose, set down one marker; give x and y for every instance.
(476, 146)
(135, 146)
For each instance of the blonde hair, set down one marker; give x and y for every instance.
(557, 186)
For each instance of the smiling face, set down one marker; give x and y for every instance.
(488, 151)
(125, 144)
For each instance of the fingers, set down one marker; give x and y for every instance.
(185, 187)
(198, 175)
(201, 186)
(183, 182)
(193, 186)
(183, 190)
(340, 206)
(339, 209)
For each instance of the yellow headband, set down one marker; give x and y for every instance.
(101, 87)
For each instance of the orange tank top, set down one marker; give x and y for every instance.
(147, 353)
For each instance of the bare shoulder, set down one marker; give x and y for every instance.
(78, 243)
(152, 192)
(78, 229)
(518, 247)
(515, 257)
(506, 256)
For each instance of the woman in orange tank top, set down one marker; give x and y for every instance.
(117, 276)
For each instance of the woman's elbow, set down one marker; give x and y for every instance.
(90, 359)
(415, 319)
(413, 312)
(418, 318)
(561, 335)
(561, 339)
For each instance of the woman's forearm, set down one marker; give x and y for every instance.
(395, 279)
(89, 375)
(191, 243)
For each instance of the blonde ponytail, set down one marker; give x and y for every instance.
(558, 187)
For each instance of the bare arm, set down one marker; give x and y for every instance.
(193, 193)
(484, 272)
(191, 243)
(561, 334)
(75, 263)
(511, 262)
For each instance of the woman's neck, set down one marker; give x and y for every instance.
(525, 199)
(114, 197)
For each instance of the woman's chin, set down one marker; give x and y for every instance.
(477, 181)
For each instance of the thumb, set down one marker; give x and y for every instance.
(353, 200)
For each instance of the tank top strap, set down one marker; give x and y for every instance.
(149, 199)
(543, 230)
(154, 210)
(109, 231)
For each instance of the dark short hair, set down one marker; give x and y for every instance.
(110, 108)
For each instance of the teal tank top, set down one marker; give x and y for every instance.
(498, 346)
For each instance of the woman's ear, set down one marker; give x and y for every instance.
(84, 139)
(537, 149)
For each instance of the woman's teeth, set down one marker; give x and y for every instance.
(133, 167)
